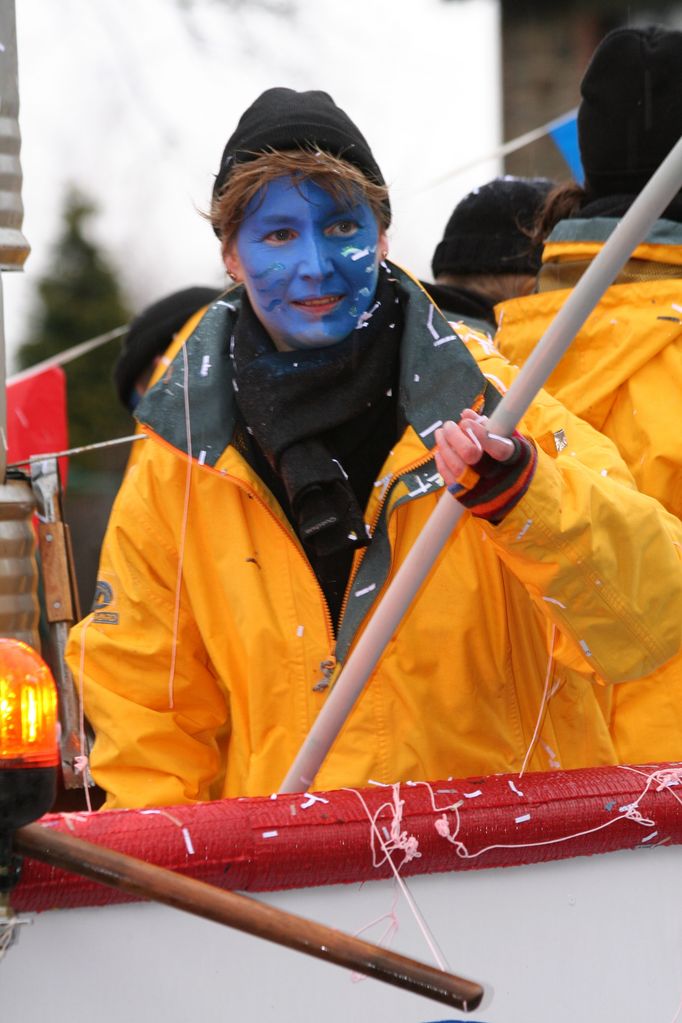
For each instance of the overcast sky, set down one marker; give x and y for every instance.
(133, 100)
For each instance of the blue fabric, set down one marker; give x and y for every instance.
(565, 138)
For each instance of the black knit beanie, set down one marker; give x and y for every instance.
(488, 231)
(152, 331)
(630, 115)
(283, 119)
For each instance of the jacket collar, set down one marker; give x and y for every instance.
(600, 229)
(438, 378)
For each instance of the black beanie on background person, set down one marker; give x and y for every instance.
(489, 229)
(630, 115)
(284, 119)
(151, 332)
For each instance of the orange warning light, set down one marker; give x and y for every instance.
(28, 708)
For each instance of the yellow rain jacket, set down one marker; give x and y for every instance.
(623, 374)
(623, 371)
(203, 658)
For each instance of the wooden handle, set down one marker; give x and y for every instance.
(244, 914)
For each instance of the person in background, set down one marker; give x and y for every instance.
(297, 445)
(149, 336)
(623, 371)
(486, 255)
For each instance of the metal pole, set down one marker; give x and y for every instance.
(634, 226)
(3, 391)
(13, 246)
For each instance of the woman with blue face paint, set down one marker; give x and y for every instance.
(298, 444)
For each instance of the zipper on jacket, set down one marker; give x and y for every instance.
(330, 669)
(393, 479)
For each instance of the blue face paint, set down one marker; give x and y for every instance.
(309, 264)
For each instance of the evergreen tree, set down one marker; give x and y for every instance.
(79, 298)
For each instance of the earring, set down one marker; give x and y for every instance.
(384, 254)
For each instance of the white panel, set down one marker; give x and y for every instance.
(595, 939)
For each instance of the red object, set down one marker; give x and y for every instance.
(36, 417)
(293, 841)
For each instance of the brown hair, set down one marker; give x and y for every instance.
(563, 202)
(342, 180)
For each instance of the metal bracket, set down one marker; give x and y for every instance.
(62, 610)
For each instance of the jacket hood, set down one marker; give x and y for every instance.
(631, 325)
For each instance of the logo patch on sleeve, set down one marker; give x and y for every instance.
(104, 597)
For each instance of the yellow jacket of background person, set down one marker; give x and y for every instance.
(623, 374)
(623, 371)
(211, 695)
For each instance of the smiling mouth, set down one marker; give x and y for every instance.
(323, 304)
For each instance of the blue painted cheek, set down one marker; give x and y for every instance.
(272, 268)
(269, 282)
(362, 268)
(361, 271)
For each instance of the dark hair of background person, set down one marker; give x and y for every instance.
(486, 253)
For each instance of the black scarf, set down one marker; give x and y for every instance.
(309, 410)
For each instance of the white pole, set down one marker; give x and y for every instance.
(633, 227)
